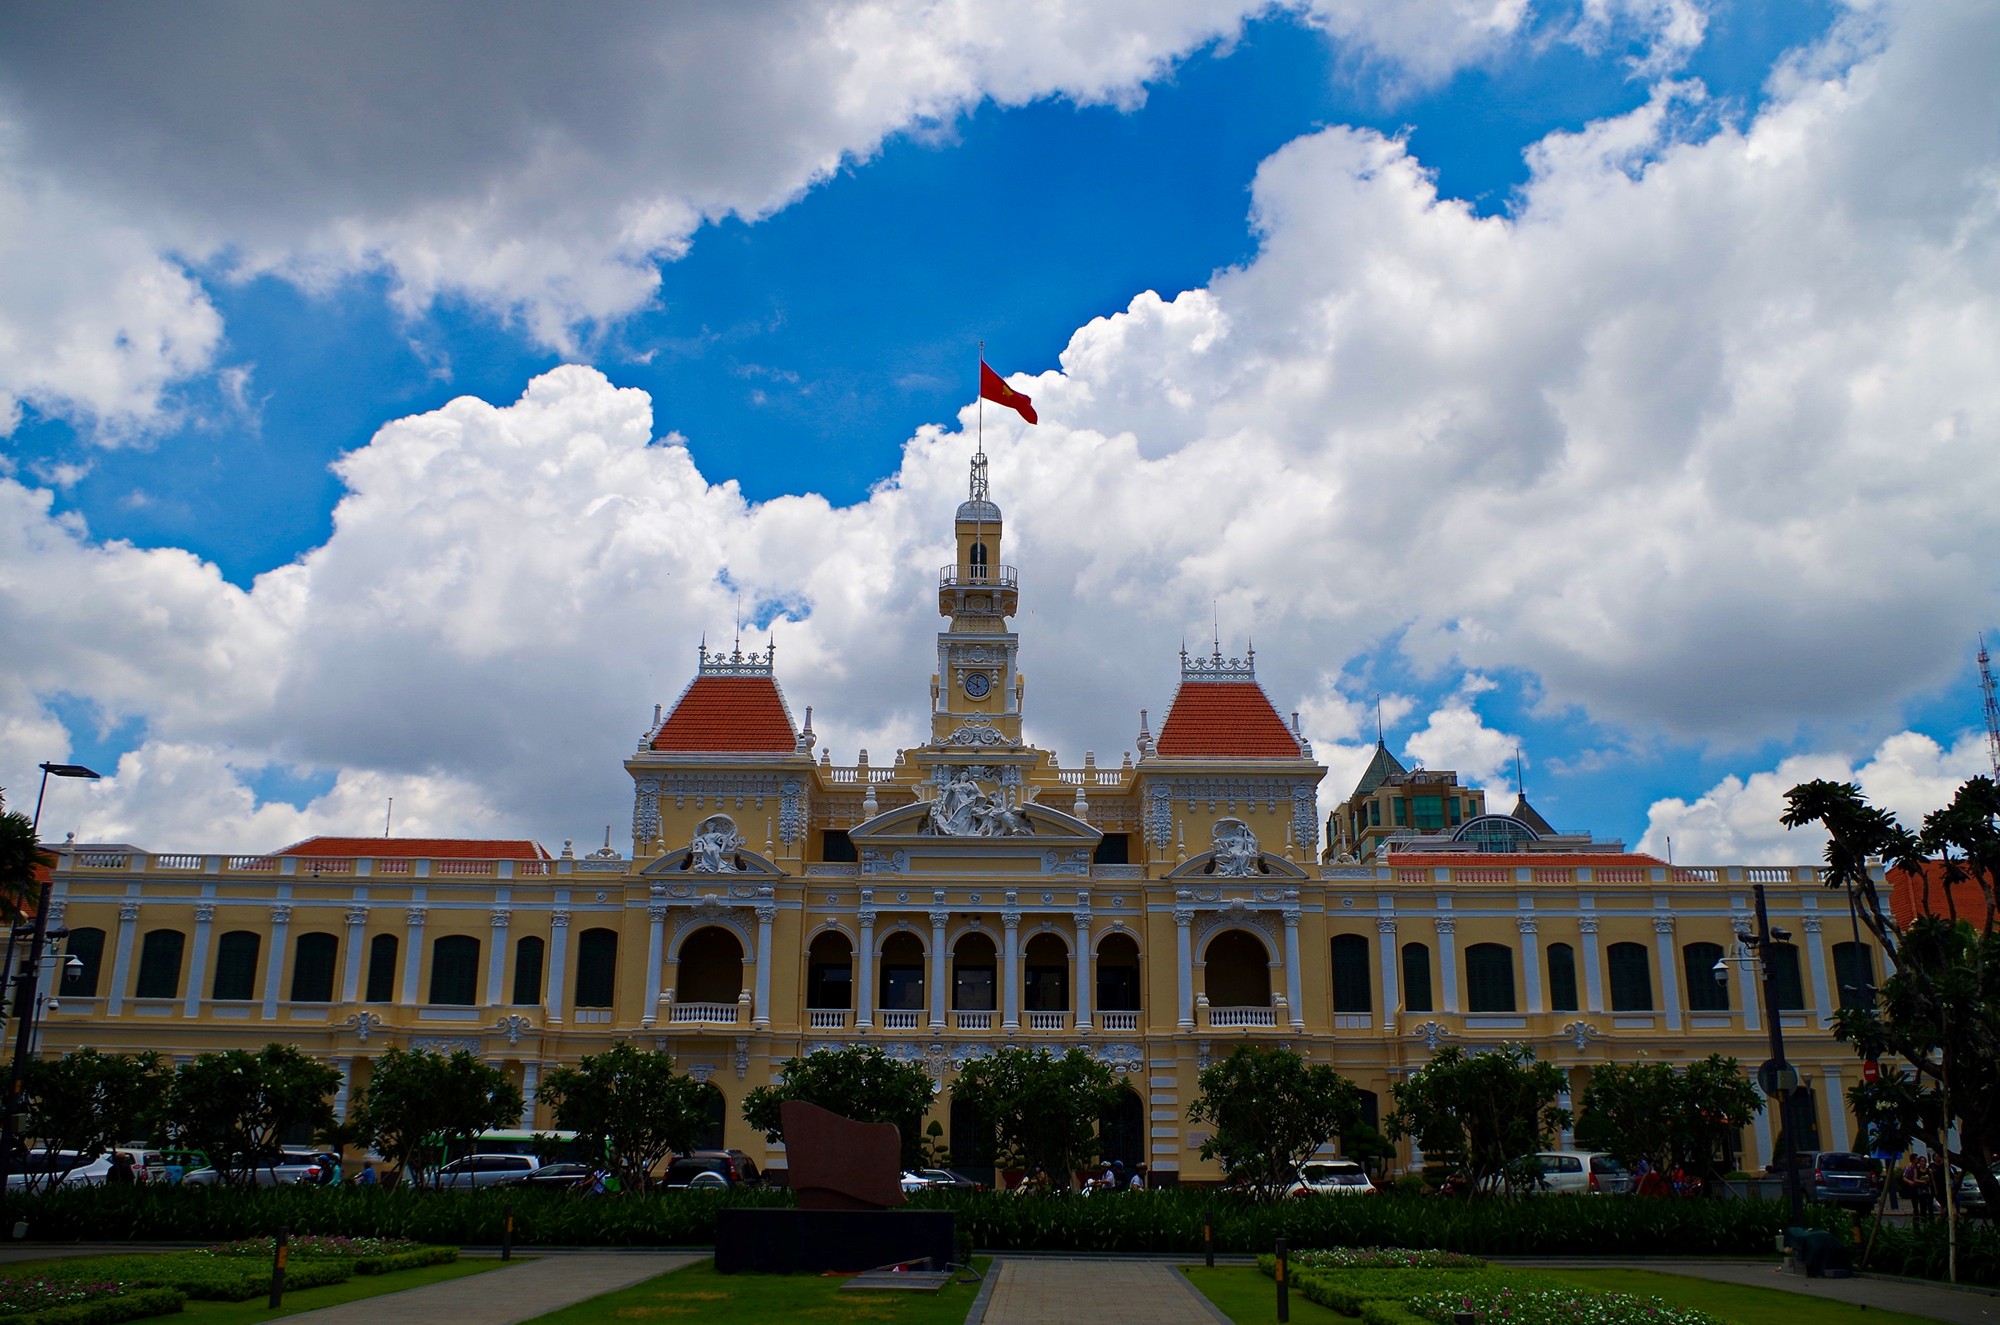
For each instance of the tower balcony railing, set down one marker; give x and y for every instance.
(977, 577)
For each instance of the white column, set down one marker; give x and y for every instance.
(274, 964)
(1567, 1136)
(1531, 964)
(1836, 1108)
(1670, 968)
(1448, 962)
(1762, 1125)
(760, 1016)
(121, 964)
(1816, 959)
(413, 955)
(656, 929)
(939, 977)
(1086, 968)
(558, 964)
(1392, 999)
(531, 1084)
(1593, 966)
(1011, 1018)
(1293, 981)
(345, 1090)
(357, 943)
(496, 959)
(1184, 944)
(864, 975)
(204, 917)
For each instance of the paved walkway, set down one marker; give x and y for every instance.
(1051, 1292)
(517, 1292)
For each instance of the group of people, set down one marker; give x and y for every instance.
(1921, 1183)
(1114, 1178)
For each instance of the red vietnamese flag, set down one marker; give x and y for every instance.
(993, 389)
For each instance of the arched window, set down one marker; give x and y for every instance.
(313, 959)
(596, 968)
(1351, 991)
(1416, 977)
(160, 964)
(87, 946)
(1704, 992)
(1489, 978)
(1631, 977)
(1122, 1130)
(1118, 974)
(830, 972)
(1239, 971)
(977, 554)
(235, 966)
(382, 969)
(1045, 968)
(1562, 978)
(718, 1113)
(528, 956)
(711, 967)
(1785, 980)
(973, 968)
(455, 970)
(1853, 970)
(902, 980)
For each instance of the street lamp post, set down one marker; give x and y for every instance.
(25, 984)
(1783, 1078)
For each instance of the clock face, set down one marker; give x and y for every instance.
(977, 684)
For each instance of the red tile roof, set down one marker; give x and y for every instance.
(1908, 895)
(729, 715)
(1224, 720)
(420, 848)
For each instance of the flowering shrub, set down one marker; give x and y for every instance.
(1553, 1306)
(314, 1244)
(1382, 1258)
(37, 1293)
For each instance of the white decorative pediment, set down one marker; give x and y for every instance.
(909, 827)
(685, 861)
(1266, 867)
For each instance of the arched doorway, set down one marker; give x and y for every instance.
(1118, 974)
(711, 967)
(974, 974)
(830, 972)
(1045, 966)
(1238, 971)
(1122, 1130)
(902, 981)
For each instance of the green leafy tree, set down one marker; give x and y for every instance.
(1668, 1116)
(21, 855)
(89, 1102)
(236, 1105)
(631, 1105)
(1480, 1112)
(1272, 1111)
(1041, 1109)
(420, 1106)
(1939, 1013)
(861, 1083)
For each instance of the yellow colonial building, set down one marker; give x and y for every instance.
(971, 892)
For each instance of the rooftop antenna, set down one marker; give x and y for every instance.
(1520, 782)
(388, 816)
(1378, 717)
(1992, 707)
(739, 623)
(1215, 611)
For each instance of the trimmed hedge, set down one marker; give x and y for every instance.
(1168, 1220)
(1346, 1291)
(197, 1274)
(416, 1258)
(1922, 1251)
(134, 1305)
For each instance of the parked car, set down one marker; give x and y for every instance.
(1578, 1173)
(732, 1168)
(1332, 1177)
(942, 1178)
(551, 1177)
(286, 1168)
(47, 1169)
(474, 1171)
(1841, 1177)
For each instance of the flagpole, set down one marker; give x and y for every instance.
(980, 379)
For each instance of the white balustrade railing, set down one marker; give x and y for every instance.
(1118, 1021)
(1223, 1018)
(251, 864)
(828, 1019)
(176, 861)
(1048, 1021)
(895, 1020)
(692, 1012)
(972, 1021)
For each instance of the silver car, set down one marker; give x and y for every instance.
(484, 1171)
(1332, 1177)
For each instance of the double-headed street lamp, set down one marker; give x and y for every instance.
(26, 981)
(1777, 1076)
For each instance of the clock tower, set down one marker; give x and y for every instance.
(976, 693)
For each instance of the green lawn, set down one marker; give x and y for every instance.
(1248, 1296)
(1733, 1302)
(698, 1292)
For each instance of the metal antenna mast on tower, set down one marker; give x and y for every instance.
(1992, 708)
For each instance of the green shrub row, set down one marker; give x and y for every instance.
(416, 1258)
(1169, 1220)
(1923, 1251)
(1346, 1291)
(136, 1304)
(198, 1275)
(1512, 1298)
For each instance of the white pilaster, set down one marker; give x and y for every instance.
(121, 964)
(760, 1016)
(204, 917)
(656, 930)
(1448, 963)
(1670, 968)
(531, 1084)
(1184, 946)
(1816, 960)
(864, 982)
(1531, 964)
(1294, 984)
(558, 961)
(1836, 1108)
(1392, 999)
(357, 942)
(940, 975)
(496, 955)
(1011, 1019)
(1086, 968)
(274, 964)
(413, 954)
(1593, 965)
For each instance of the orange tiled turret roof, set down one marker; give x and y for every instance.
(733, 706)
(1220, 712)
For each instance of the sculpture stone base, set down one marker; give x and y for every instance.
(753, 1241)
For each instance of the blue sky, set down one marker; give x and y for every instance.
(819, 319)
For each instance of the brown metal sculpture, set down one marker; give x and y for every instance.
(835, 1163)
